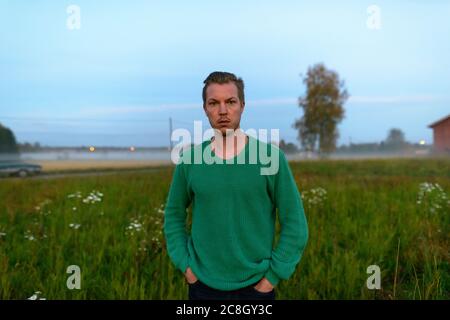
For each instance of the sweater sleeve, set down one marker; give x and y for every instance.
(175, 232)
(294, 228)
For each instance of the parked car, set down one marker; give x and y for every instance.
(19, 168)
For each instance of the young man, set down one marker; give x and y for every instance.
(230, 253)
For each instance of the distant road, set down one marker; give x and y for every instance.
(94, 173)
(92, 170)
(84, 165)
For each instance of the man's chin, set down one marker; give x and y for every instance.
(225, 131)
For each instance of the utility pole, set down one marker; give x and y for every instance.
(170, 134)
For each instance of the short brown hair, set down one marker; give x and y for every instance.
(221, 77)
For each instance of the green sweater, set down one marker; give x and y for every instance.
(231, 243)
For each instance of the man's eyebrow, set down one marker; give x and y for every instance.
(212, 99)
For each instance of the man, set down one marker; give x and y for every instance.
(229, 253)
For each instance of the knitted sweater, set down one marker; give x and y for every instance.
(234, 206)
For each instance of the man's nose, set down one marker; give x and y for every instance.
(223, 108)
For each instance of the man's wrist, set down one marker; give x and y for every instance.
(272, 277)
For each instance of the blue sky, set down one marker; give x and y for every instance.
(134, 64)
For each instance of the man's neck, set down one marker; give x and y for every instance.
(236, 141)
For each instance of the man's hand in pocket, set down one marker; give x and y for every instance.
(190, 276)
(264, 286)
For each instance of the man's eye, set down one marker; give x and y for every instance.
(212, 103)
(231, 101)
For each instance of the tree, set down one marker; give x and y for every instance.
(322, 109)
(287, 147)
(395, 139)
(8, 142)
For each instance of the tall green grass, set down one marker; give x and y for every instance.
(367, 214)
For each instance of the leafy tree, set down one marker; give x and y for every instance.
(8, 142)
(395, 140)
(322, 109)
(395, 137)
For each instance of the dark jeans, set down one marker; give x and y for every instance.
(200, 291)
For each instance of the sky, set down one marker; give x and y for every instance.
(132, 65)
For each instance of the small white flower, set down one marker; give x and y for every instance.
(75, 225)
(36, 296)
(134, 226)
(29, 236)
(75, 195)
(93, 197)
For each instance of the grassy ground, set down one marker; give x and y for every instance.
(360, 213)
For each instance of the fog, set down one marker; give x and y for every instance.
(162, 155)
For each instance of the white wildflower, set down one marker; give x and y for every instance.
(134, 226)
(160, 209)
(143, 245)
(42, 204)
(314, 196)
(29, 236)
(156, 239)
(36, 296)
(75, 195)
(93, 197)
(432, 197)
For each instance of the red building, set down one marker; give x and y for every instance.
(441, 135)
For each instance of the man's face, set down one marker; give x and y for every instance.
(223, 107)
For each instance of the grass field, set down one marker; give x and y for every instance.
(390, 213)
